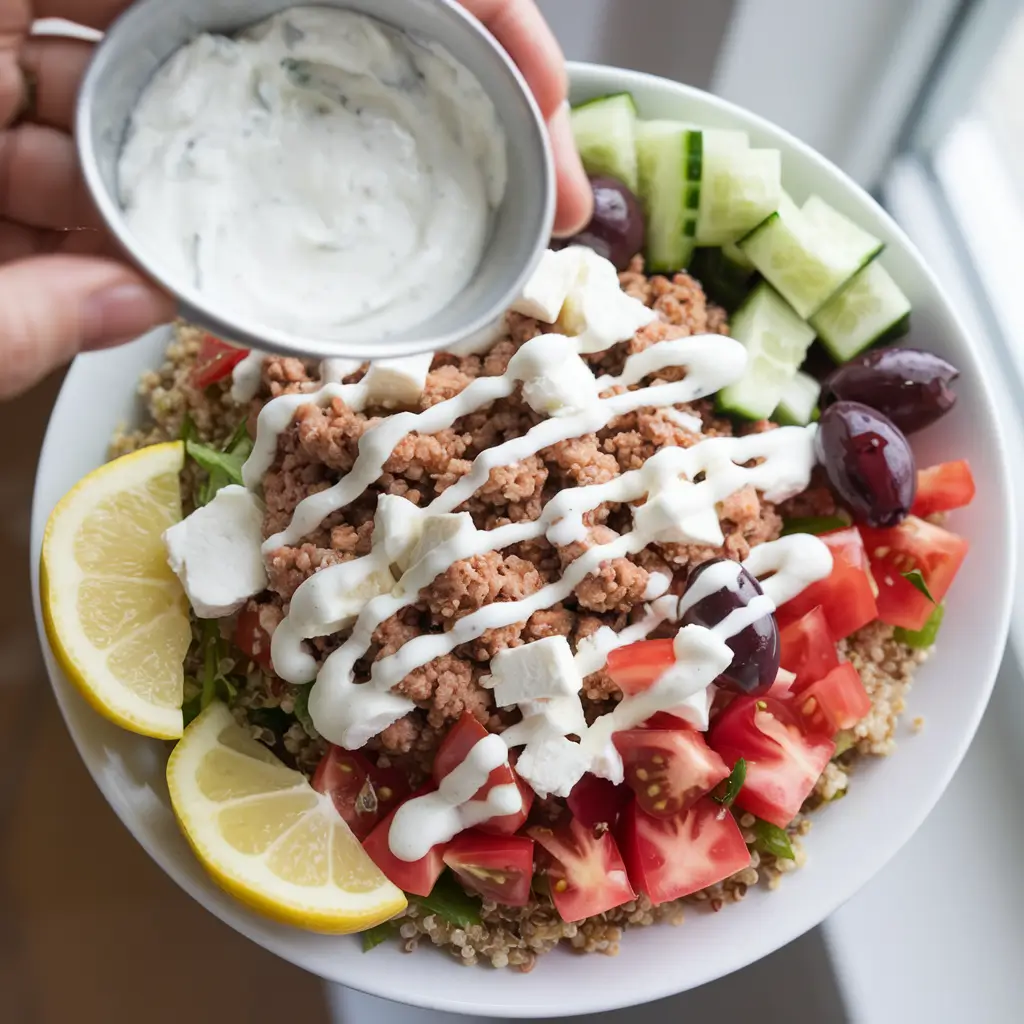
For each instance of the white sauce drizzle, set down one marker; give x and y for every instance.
(425, 821)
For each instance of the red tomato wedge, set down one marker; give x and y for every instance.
(499, 868)
(635, 667)
(846, 596)
(672, 857)
(252, 639)
(215, 361)
(362, 792)
(783, 684)
(836, 701)
(455, 747)
(668, 769)
(417, 876)
(595, 801)
(915, 544)
(585, 871)
(783, 763)
(943, 488)
(808, 650)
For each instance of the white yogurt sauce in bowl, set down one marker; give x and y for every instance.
(321, 173)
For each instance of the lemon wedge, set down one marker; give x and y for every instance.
(267, 837)
(115, 614)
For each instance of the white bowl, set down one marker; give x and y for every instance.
(850, 841)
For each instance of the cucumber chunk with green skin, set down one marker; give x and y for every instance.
(739, 188)
(723, 281)
(799, 401)
(809, 254)
(869, 310)
(776, 340)
(669, 156)
(605, 134)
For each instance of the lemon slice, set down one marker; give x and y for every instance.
(267, 837)
(115, 614)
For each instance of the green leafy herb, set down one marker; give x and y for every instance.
(188, 430)
(222, 467)
(845, 740)
(190, 709)
(211, 634)
(729, 788)
(925, 636)
(378, 934)
(772, 839)
(916, 579)
(301, 709)
(449, 900)
(815, 524)
(213, 461)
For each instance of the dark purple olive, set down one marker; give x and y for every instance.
(616, 231)
(908, 385)
(868, 462)
(755, 648)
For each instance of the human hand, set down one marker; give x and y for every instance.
(520, 27)
(63, 287)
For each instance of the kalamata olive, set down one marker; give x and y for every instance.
(908, 385)
(716, 589)
(616, 230)
(868, 462)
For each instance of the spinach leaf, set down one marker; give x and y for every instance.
(916, 579)
(772, 839)
(449, 900)
(729, 788)
(378, 934)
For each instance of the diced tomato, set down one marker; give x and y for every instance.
(362, 792)
(635, 667)
(943, 488)
(808, 650)
(846, 596)
(595, 801)
(215, 361)
(914, 544)
(665, 720)
(836, 701)
(584, 870)
(783, 684)
(252, 639)
(455, 747)
(783, 763)
(500, 868)
(672, 857)
(417, 876)
(668, 769)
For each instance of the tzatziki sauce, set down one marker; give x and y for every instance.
(321, 173)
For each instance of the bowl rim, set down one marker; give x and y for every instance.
(800, 919)
(196, 307)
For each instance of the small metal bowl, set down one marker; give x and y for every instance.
(150, 31)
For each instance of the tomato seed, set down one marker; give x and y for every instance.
(653, 790)
(642, 774)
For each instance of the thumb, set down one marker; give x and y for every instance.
(52, 307)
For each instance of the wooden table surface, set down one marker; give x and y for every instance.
(91, 930)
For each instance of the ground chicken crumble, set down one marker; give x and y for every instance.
(322, 443)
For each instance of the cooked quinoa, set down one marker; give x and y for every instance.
(321, 443)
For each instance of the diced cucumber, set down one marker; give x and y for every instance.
(605, 133)
(723, 280)
(776, 340)
(799, 403)
(870, 309)
(739, 188)
(669, 170)
(737, 257)
(809, 254)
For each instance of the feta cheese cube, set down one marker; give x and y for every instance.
(556, 381)
(536, 671)
(216, 554)
(399, 381)
(552, 766)
(397, 527)
(548, 286)
(439, 528)
(666, 517)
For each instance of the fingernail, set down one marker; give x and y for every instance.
(574, 194)
(122, 312)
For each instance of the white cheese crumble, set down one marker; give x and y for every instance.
(539, 670)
